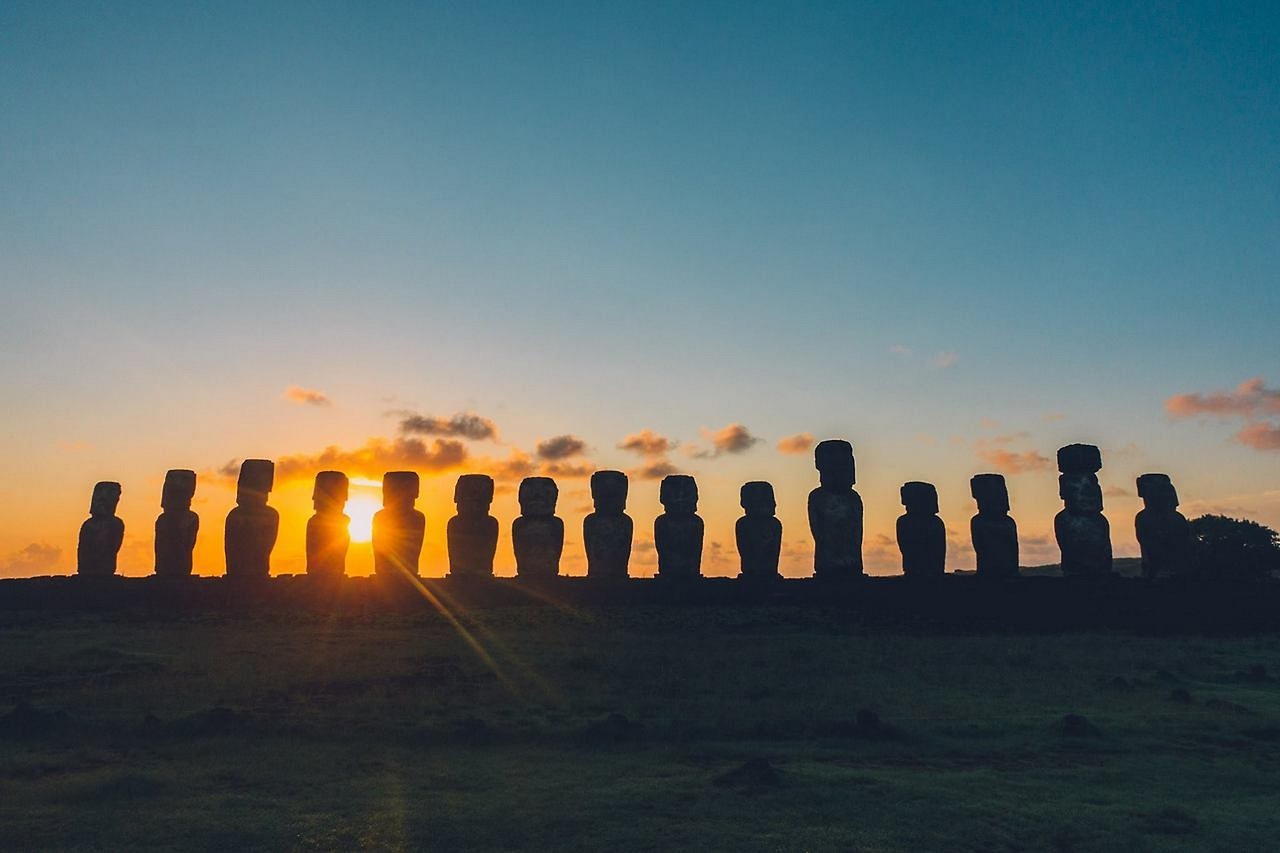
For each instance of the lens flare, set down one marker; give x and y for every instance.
(361, 509)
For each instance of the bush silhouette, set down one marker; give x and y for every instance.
(1235, 548)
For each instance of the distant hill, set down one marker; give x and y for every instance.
(1128, 567)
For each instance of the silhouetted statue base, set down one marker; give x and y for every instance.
(922, 537)
(537, 536)
(252, 526)
(1164, 534)
(835, 514)
(398, 528)
(607, 532)
(678, 532)
(994, 532)
(472, 534)
(101, 535)
(328, 531)
(758, 533)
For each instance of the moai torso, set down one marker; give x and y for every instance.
(994, 532)
(472, 534)
(922, 537)
(328, 531)
(758, 532)
(177, 525)
(835, 514)
(398, 528)
(252, 526)
(1164, 534)
(537, 535)
(1083, 533)
(101, 534)
(677, 533)
(607, 532)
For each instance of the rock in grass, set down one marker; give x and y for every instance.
(755, 773)
(1077, 725)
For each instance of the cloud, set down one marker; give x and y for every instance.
(467, 425)
(37, 558)
(1117, 492)
(1249, 399)
(306, 396)
(560, 447)
(646, 442)
(371, 460)
(654, 470)
(1053, 417)
(568, 470)
(899, 349)
(944, 360)
(1015, 462)
(796, 444)
(1260, 436)
(732, 438)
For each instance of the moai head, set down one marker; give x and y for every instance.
(106, 495)
(399, 489)
(473, 494)
(537, 496)
(179, 489)
(679, 494)
(991, 493)
(330, 492)
(609, 491)
(1079, 459)
(834, 461)
(256, 479)
(1157, 492)
(1081, 493)
(757, 498)
(920, 498)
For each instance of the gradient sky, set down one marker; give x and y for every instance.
(959, 235)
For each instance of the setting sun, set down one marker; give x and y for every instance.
(361, 509)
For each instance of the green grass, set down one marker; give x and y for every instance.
(397, 731)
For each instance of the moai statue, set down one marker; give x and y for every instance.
(994, 532)
(835, 513)
(328, 531)
(538, 535)
(101, 534)
(922, 537)
(252, 526)
(1084, 535)
(1164, 534)
(606, 533)
(759, 532)
(177, 525)
(677, 533)
(472, 534)
(398, 528)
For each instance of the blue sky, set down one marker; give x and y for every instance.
(594, 218)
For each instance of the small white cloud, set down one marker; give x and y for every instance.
(944, 360)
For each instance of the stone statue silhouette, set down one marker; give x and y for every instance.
(922, 537)
(677, 533)
(758, 532)
(537, 535)
(1083, 533)
(472, 534)
(607, 532)
(1164, 534)
(398, 528)
(101, 534)
(835, 513)
(328, 531)
(177, 525)
(994, 532)
(252, 526)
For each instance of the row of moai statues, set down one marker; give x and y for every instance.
(835, 520)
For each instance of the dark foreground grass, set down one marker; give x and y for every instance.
(665, 728)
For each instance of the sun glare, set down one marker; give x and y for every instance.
(361, 509)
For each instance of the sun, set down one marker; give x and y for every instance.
(361, 509)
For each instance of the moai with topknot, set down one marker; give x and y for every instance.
(1164, 534)
(758, 532)
(472, 534)
(398, 528)
(1083, 533)
(922, 537)
(252, 526)
(994, 532)
(177, 525)
(538, 534)
(101, 534)
(677, 533)
(835, 513)
(607, 532)
(329, 530)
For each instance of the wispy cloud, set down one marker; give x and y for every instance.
(796, 444)
(1251, 401)
(944, 360)
(560, 447)
(306, 396)
(996, 452)
(900, 350)
(467, 425)
(646, 442)
(34, 559)
(732, 438)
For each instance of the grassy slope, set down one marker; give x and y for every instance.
(396, 731)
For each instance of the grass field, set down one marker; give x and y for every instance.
(661, 728)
